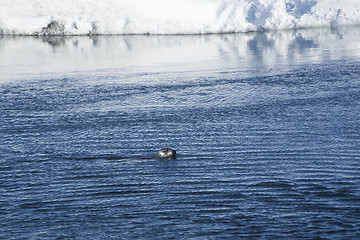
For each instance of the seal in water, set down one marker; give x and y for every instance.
(166, 153)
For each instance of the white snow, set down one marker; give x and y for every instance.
(80, 17)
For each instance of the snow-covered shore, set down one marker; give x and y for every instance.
(67, 17)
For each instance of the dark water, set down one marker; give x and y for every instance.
(266, 127)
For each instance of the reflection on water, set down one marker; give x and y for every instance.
(250, 51)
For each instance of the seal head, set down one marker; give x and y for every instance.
(166, 153)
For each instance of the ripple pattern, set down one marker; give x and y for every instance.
(266, 157)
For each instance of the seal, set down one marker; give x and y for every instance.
(166, 153)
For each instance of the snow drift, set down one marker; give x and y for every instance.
(81, 17)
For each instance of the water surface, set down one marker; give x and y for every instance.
(266, 126)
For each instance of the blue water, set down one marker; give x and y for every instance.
(266, 127)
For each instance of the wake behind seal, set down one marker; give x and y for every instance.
(166, 153)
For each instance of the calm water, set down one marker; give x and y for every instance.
(266, 127)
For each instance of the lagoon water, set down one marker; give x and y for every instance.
(266, 127)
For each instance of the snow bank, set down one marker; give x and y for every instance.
(81, 17)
